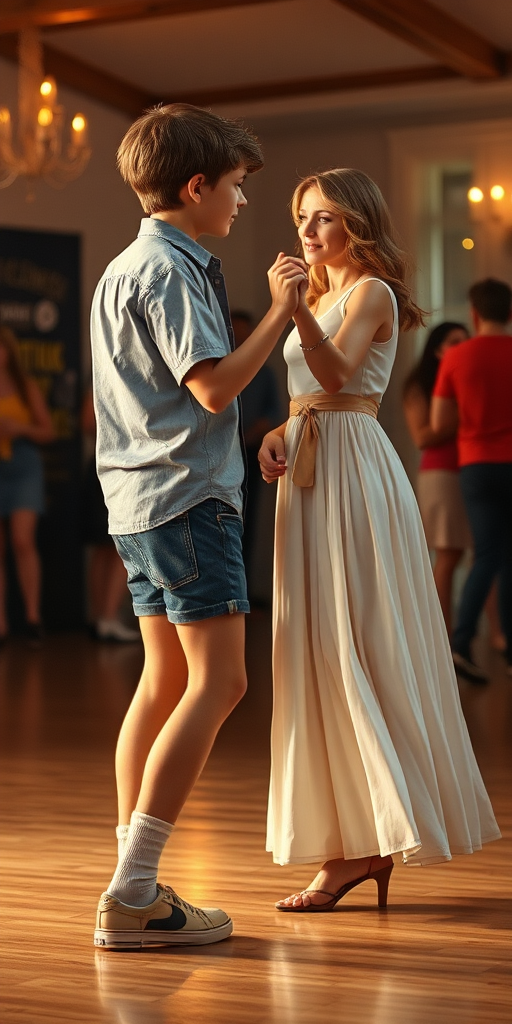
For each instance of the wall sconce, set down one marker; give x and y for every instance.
(493, 203)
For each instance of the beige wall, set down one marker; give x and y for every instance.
(266, 226)
(106, 214)
(391, 150)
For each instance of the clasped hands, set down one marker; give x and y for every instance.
(288, 282)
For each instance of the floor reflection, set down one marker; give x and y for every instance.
(136, 989)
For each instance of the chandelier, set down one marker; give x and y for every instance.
(39, 151)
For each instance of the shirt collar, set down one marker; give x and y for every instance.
(152, 226)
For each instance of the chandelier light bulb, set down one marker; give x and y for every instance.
(497, 192)
(48, 90)
(468, 243)
(45, 117)
(78, 123)
(475, 195)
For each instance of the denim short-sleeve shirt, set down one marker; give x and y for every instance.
(160, 308)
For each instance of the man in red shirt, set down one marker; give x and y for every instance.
(474, 389)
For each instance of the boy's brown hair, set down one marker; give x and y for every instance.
(168, 145)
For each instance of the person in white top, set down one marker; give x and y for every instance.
(370, 752)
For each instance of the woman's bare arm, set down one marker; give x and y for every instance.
(333, 364)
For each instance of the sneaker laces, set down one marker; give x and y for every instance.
(183, 903)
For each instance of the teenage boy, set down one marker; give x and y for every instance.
(474, 388)
(166, 379)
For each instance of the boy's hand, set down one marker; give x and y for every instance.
(272, 457)
(285, 277)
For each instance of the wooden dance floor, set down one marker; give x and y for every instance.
(441, 952)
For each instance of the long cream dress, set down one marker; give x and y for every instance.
(370, 750)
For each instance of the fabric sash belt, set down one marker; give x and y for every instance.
(307, 407)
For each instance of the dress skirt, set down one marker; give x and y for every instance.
(370, 750)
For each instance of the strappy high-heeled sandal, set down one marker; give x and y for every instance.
(381, 875)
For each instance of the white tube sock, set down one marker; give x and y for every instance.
(122, 835)
(134, 881)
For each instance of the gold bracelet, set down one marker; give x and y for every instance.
(312, 348)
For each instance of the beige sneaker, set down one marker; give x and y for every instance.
(168, 921)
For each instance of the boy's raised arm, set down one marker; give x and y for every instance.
(216, 382)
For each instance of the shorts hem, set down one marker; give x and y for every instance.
(149, 609)
(235, 607)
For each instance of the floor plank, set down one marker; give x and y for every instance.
(439, 955)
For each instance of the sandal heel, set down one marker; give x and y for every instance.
(382, 878)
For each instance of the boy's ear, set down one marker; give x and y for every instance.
(193, 188)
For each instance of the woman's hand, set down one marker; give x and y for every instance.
(303, 288)
(285, 277)
(272, 457)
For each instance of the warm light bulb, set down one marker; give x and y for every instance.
(78, 123)
(475, 195)
(45, 117)
(497, 192)
(468, 243)
(5, 116)
(46, 88)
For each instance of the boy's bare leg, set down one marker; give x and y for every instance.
(161, 687)
(170, 726)
(214, 652)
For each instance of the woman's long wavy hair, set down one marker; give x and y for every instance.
(14, 365)
(356, 198)
(423, 374)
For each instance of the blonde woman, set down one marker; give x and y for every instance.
(25, 423)
(370, 752)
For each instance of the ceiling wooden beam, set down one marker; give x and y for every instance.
(310, 86)
(55, 14)
(94, 83)
(113, 92)
(426, 26)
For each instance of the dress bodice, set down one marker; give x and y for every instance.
(373, 373)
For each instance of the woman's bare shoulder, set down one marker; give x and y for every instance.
(371, 290)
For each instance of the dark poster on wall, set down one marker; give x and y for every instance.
(40, 301)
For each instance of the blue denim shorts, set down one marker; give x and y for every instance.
(190, 567)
